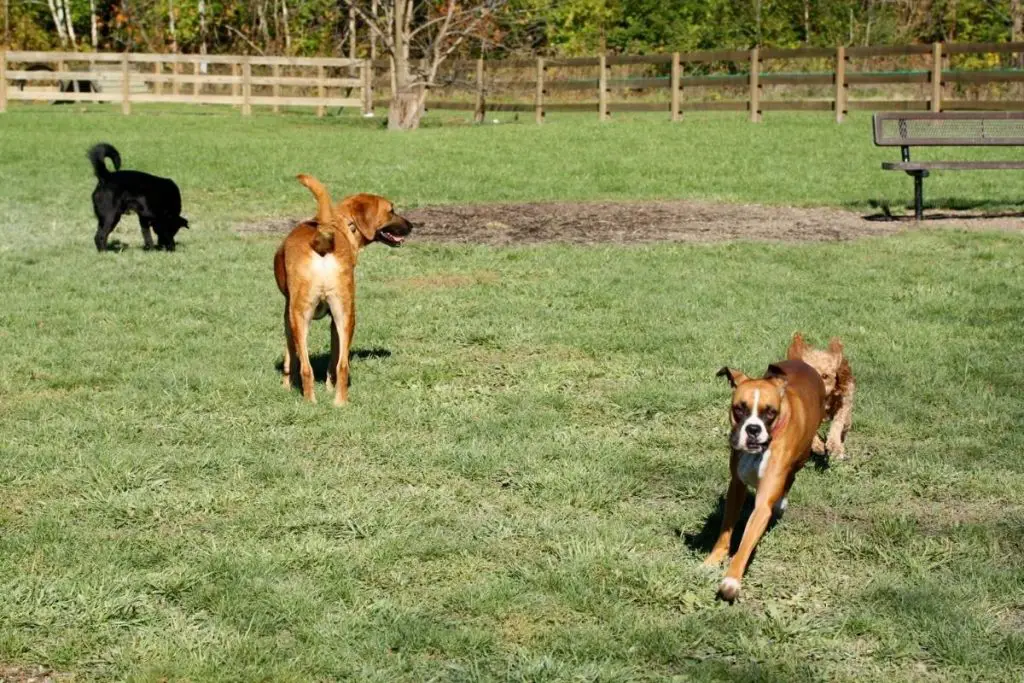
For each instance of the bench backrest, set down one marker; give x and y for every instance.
(956, 128)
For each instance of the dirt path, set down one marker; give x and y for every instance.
(658, 221)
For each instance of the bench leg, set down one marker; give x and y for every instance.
(919, 177)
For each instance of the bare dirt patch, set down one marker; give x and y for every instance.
(658, 221)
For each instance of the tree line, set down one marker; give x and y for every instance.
(551, 27)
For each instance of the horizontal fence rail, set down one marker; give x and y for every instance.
(131, 78)
(728, 80)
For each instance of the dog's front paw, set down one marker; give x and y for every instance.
(818, 446)
(729, 589)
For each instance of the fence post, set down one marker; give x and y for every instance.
(480, 108)
(936, 77)
(755, 85)
(234, 81)
(158, 87)
(602, 89)
(246, 86)
(176, 71)
(276, 89)
(126, 85)
(538, 106)
(3, 80)
(367, 74)
(196, 87)
(675, 85)
(320, 91)
(840, 83)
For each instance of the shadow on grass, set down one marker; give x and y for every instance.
(704, 540)
(321, 361)
(986, 210)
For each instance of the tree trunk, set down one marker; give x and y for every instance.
(70, 24)
(807, 22)
(171, 27)
(57, 11)
(202, 34)
(408, 95)
(94, 33)
(287, 31)
(1017, 25)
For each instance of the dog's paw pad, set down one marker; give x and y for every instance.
(729, 589)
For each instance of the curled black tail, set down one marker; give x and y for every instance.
(98, 155)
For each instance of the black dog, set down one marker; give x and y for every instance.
(155, 200)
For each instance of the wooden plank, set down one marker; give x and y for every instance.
(175, 72)
(48, 57)
(148, 58)
(755, 85)
(987, 76)
(276, 85)
(538, 113)
(246, 87)
(570, 61)
(457, 106)
(734, 105)
(936, 77)
(796, 105)
(572, 106)
(602, 90)
(796, 79)
(366, 76)
(320, 90)
(714, 81)
(156, 78)
(50, 76)
(297, 80)
(197, 86)
(868, 78)
(638, 83)
(888, 51)
(887, 105)
(640, 106)
(841, 87)
(480, 108)
(150, 98)
(675, 88)
(983, 105)
(236, 79)
(797, 53)
(207, 78)
(353, 102)
(588, 84)
(56, 95)
(639, 59)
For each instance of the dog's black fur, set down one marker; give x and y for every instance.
(155, 200)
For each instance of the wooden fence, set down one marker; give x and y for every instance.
(247, 81)
(758, 74)
(128, 78)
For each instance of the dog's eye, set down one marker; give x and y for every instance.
(738, 412)
(770, 414)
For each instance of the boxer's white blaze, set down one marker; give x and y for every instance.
(754, 418)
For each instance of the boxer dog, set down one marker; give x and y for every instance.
(774, 420)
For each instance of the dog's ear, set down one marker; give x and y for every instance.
(735, 377)
(362, 211)
(324, 208)
(796, 347)
(835, 345)
(777, 376)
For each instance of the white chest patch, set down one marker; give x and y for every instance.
(751, 467)
(324, 265)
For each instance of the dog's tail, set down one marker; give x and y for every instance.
(98, 156)
(796, 347)
(325, 218)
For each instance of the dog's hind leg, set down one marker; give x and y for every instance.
(343, 313)
(147, 234)
(298, 321)
(289, 351)
(107, 223)
(332, 367)
(836, 445)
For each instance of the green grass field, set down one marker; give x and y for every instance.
(535, 435)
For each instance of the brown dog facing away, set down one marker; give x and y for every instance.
(835, 372)
(774, 419)
(315, 270)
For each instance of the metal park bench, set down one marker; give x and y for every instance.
(946, 129)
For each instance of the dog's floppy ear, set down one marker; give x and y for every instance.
(796, 347)
(324, 208)
(735, 377)
(361, 210)
(835, 345)
(777, 376)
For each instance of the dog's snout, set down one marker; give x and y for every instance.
(753, 430)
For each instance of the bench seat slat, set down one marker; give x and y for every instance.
(952, 165)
